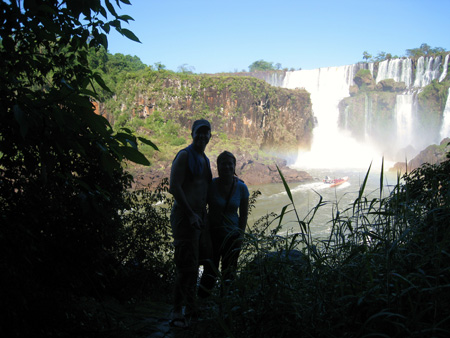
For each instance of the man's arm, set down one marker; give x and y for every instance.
(177, 177)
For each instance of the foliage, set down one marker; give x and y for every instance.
(363, 79)
(261, 65)
(431, 102)
(424, 50)
(185, 68)
(144, 245)
(366, 56)
(62, 179)
(382, 271)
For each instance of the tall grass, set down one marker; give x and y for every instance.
(383, 270)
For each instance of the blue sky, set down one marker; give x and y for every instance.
(225, 36)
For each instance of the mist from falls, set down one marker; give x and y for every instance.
(331, 147)
(335, 148)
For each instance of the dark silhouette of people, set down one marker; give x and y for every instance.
(190, 178)
(227, 195)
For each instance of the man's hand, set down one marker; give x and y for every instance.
(195, 221)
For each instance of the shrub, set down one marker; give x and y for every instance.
(382, 271)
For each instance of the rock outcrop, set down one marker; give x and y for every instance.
(250, 169)
(434, 154)
(243, 111)
(277, 119)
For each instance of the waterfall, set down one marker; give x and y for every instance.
(400, 70)
(404, 118)
(331, 147)
(445, 129)
(444, 72)
(427, 71)
(367, 117)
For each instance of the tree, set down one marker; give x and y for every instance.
(261, 65)
(118, 63)
(159, 66)
(381, 56)
(185, 68)
(62, 178)
(424, 50)
(366, 56)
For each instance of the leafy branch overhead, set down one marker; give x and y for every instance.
(47, 84)
(61, 165)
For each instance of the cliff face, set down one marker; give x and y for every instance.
(393, 115)
(277, 119)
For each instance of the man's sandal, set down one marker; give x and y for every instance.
(179, 322)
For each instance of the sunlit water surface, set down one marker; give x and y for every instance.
(307, 195)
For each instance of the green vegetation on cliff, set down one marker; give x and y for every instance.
(431, 102)
(163, 105)
(414, 53)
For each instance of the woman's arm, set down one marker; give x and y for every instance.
(243, 213)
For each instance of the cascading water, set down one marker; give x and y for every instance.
(403, 111)
(444, 72)
(334, 148)
(331, 148)
(427, 71)
(399, 70)
(445, 130)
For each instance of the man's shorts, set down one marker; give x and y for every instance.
(186, 240)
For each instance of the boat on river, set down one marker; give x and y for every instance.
(333, 182)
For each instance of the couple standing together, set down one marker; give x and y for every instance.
(193, 188)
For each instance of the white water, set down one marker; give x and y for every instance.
(427, 71)
(334, 148)
(334, 153)
(444, 72)
(331, 147)
(403, 111)
(399, 70)
(445, 130)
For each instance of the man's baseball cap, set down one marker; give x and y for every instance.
(200, 123)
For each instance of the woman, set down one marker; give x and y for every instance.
(227, 196)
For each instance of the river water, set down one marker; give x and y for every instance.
(306, 196)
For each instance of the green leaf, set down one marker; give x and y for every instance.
(103, 11)
(134, 155)
(286, 187)
(126, 139)
(362, 188)
(126, 18)
(110, 8)
(98, 78)
(283, 212)
(108, 162)
(106, 27)
(129, 34)
(381, 177)
(97, 123)
(148, 142)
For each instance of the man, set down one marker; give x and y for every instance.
(190, 177)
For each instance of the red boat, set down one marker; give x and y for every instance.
(333, 182)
